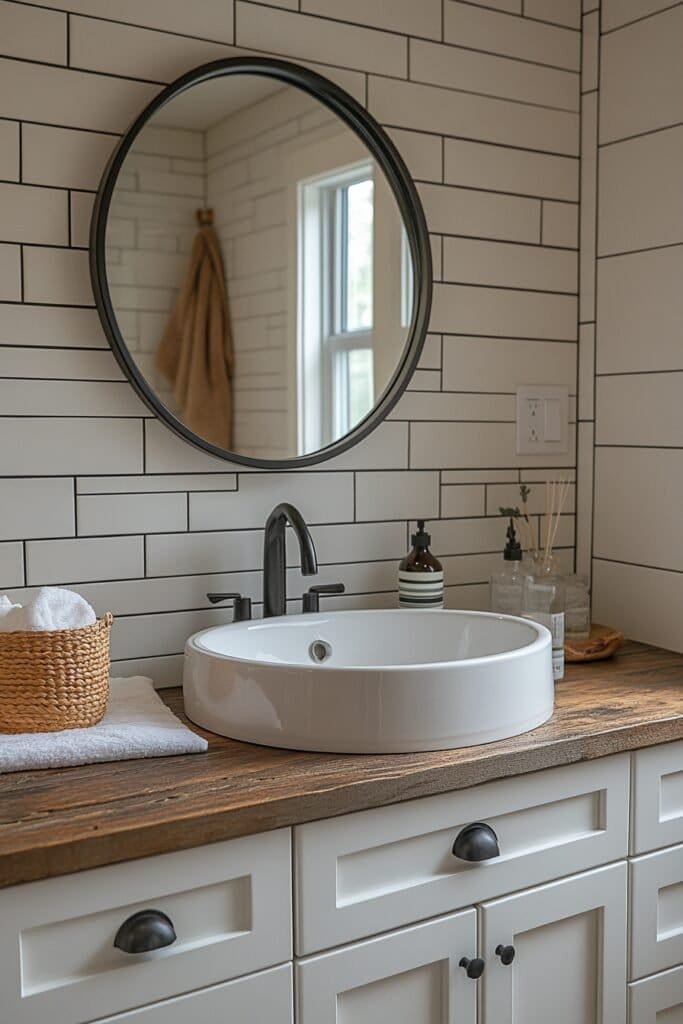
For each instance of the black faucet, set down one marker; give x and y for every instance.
(275, 556)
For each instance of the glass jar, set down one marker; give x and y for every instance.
(577, 613)
(543, 601)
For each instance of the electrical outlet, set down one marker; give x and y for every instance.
(542, 419)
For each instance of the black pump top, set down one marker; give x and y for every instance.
(513, 549)
(421, 539)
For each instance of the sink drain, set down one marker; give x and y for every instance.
(320, 651)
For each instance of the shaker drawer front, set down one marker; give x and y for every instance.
(658, 797)
(229, 904)
(657, 1000)
(264, 997)
(368, 872)
(656, 911)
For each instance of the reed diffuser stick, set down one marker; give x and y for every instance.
(556, 492)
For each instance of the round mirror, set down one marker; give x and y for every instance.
(261, 263)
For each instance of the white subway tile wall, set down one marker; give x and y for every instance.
(637, 564)
(483, 100)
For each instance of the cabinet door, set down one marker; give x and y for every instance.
(658, 1000)
(656, 911)
(569, 939)
(408, 977)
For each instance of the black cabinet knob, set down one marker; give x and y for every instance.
(473, 968)
(476, 842)
(506, 954)
(144, 932)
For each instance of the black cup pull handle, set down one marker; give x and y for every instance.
(473, 968)
(145, 931)
(506, 954)
(476, 842)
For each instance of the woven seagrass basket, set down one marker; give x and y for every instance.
(54, 680)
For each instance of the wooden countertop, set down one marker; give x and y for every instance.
(57, 821)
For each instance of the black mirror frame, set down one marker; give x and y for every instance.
(393, 166)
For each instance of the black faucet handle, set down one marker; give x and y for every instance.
(242, 605)
(311, 599)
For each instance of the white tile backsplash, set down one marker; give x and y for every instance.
(500, 364)
(46, 326)
(397, 495)
(640, 409)
(29, 33)
(33, 215)
(84, 559)
(320, 497)
(10, 273)
(405, 16)
(101, 514)
(533, 267)
(480, 28)
(37, 508)
(329, 42)
(641, 310)
(11, 565)
(9, 150)
(457, 211)
(57, 275)
(507, 169)
(560, 225)
(137, 52)
(106, 499)
(42, 445)
(486, 118)
(634, 488)
(638, 429)
(460, 309)
(490, 75)
(641, 175)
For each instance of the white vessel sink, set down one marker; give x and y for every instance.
(371, 681)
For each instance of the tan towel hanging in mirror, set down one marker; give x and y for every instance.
(196, 352)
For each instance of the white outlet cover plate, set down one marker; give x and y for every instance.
(532, 417)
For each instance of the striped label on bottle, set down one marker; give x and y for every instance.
(420, 589)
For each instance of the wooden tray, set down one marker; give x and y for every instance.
(602, 643)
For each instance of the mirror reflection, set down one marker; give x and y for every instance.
(258, 267)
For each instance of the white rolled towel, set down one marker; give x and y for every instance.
(6, 606)
(51, 608)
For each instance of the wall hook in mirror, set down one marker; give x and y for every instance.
(205, 217)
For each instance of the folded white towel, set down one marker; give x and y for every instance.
(136, 724)
(51, 608)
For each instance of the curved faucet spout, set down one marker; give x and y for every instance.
(275, 556)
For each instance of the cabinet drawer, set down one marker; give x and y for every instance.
(368, 872)
(265, 997)
(658, 797)
(656, 911)
(230, 905)
(409, 977)
(657, 1000)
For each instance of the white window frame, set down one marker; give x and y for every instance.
(322, 397)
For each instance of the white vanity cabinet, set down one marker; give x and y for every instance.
(575, 916)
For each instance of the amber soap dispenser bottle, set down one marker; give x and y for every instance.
(420, 574)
